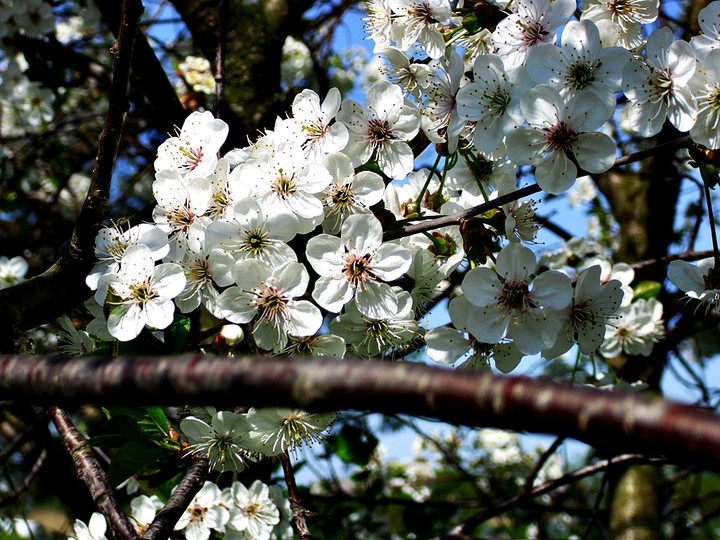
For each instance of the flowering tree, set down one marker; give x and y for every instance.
(255, 247)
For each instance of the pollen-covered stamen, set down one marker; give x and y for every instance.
(198, 275)
(314, 131)
(580, 75)
(181, 218)
(377, 132)
(220, 201)
(533, 32)
(663, 83)
(515, 299)
(711, 101)
(421, 12)
(142, 292)
(284, 185)
(561, 137)
(497, 101)
(192, 156)
(342, 195)
(271, 304)
(254, 241)
(358, 269)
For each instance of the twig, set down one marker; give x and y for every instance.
(298, 512)
(165, 520)
(45, 297)
(530, 480)
(92, 474)
(547, 487)
(26, 481)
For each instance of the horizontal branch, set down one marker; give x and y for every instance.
(622, 420)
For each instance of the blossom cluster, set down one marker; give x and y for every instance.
(230, 440)
(257, 512)
(284, 237)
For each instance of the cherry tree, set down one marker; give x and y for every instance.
(225, 244)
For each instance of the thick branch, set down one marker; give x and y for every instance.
(92, 474)
(61, 287)
(626, 421)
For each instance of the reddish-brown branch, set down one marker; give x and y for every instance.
(92, 474)
(61, 287)
(182, 496)
(298, 512)
(623, 420)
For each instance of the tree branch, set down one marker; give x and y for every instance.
(623, 420)
(49, 295)
(165, 520)
(92, 474)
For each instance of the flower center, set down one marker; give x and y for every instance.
(255, 241)
(141, 292)
(533, 32)
(497, 101)
(271, 305)
(378, 131)
(342, 196)
(663, 82)
(284, 186)
(197, 513)
(357, 269)
(581, 75)
(181, 218)
(193, 156)
(560, 137)
(515, 297)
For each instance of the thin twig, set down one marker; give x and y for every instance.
(165, 520)
(92, 474)
(547, 487)
(26, 481)
(298, 511)
(530, 480)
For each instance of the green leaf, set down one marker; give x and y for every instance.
(157, 415)
(176, 335)
(646, 290)
(132, 458)
(353, 445)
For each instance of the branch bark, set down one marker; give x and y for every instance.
(165, 520)
(619, 420)
(92, 474)
(61, 287)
